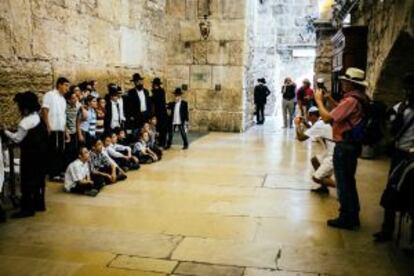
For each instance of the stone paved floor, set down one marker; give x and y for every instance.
(234, 204)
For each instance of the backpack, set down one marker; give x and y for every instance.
(368, 131)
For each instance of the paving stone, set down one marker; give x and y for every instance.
(143, 264)
(198, 269)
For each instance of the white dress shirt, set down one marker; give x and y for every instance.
(177, 117)
(76, 171)
(56, 105)
(116, 116)
(142, 100)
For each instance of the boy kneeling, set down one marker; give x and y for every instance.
(78, 176)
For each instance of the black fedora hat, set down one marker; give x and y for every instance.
(262, 80)
(112, 89)
(136, 77)
(178, 91)
(157, 81)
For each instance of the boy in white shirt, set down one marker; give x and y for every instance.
(142, 151)
(78, 176)
(54, 116)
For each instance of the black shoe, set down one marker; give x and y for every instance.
(342, 224)
(22, 214)
(185, 147)
(322, 190)
(121, 177)
(58, 179)
(92, 192)
(2, 216)
(41, 208)
(167, 147)
(382, 236)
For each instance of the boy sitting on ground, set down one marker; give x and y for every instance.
(78, 176)
(152, 143)
(103, 165)
(142, 151)
(122, 155)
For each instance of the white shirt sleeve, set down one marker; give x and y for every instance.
(25, 125)
(113, 153)
(47, 100)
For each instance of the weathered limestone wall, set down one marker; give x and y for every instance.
(390, 45)
(203, 64)
(324, 53)
(106, 40)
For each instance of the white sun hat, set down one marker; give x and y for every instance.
(355, 75)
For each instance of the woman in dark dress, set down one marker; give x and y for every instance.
(160, 111)
(32, 136)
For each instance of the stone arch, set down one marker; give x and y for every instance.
(399, 61)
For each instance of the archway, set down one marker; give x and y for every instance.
(398, 62)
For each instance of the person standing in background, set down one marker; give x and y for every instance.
(305, 98)
(261, 92)
(288, 102)
(160, 111)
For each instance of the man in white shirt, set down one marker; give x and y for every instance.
(54, 116)
(179, 118)
(321, 132)
(78, 176)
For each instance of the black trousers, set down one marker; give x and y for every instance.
(71, 149)
(162, 128)
(56, 148)
(33, 196)
(388, 226)
(98, 183)
(183, 134)
(260, 109)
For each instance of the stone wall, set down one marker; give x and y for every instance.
(390, 45)
(204, 64)
(106, 40)
(324, 53)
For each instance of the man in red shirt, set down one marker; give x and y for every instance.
(344, 117)
(305, 98)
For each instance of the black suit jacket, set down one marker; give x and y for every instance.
(159, 103)
(108, 112)
(261, 92)
(184, 115)
(135, 118)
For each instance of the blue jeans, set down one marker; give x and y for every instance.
(345, 160)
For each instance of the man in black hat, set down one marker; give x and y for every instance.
(179, 118)
(261, 92)
(137, 104)
(160, 111)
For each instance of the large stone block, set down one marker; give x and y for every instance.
(16, 22)
(133, 46)
(227, 29)
(189, 31)
(201, 76)
(178, 54)
(200, 52)
(229, 77)
(104, 42)
(178, 72)
(191, 9)
(207, 99)
(48, 38)
(176, 8)
(234, 9)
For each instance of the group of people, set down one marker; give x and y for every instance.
(341, 128)
(87, 140)
(294, 100)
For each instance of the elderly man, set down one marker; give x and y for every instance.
(346, 117)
